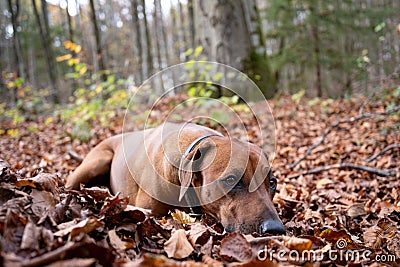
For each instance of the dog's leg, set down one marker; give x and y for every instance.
(96, 164)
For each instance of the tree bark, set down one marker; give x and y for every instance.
(138, 38)
(19, 65)
(69, 23)
(192, 28)
(99, 49)
(149, 56)
(175, 36)
(228, 32)
(156, 23)
(46, 42)
(157, 20)
(183, 28)
(316, 45)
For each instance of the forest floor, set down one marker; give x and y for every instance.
(338, 202)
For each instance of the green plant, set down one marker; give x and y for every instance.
(95, 101)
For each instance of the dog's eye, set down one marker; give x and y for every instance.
(230, 181)
(272, 183)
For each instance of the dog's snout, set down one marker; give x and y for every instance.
(272, 227)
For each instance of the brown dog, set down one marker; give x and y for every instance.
(228, 178)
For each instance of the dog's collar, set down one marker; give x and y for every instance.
(196, 142)
(190, 196)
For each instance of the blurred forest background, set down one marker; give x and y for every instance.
(331, 69)
(49, 50)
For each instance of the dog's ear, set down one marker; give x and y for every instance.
(186, 171)
(194, 162)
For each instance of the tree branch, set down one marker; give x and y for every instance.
(339, 122)
(389, 147)
(379, 172)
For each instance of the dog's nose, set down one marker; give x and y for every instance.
(272, 227)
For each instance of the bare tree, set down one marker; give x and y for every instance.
(15, 11)
(46, 43)
(138, 38)
(149, 56)
(183, 29)
(69, 23)
(175, 35)
(192, 28)
(227, 32)
(316, 44)
(156, 23)
(99, 49)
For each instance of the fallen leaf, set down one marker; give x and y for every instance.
(85, 226)
(296, 243)
(97, 193)
(42, 181)
(115, 241)
(31, 237)
(43, 203)
(112, 207)
(178, 246)
(234, 247)
(182, 217)
(356, 210)
(198, 234)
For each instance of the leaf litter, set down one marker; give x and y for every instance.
(330, 209)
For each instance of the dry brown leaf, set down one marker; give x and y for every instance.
(42, 181)
(182, 217)
(115, 241)
(341, 239)
(178, 246)
(198, 234)
(356, 210)
(31, 237)
(372, 237)
(85, 226)
(43, 202)
(235, 247)
(299, 244)
(323, 183)
(393, 245)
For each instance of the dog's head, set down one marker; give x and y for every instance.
(234, 184)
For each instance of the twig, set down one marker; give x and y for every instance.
(75, 156)
(376, 171)
(389, 147)
(336, 124)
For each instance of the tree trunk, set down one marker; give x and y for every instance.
(156, 23)
(99, 50)
(175, 36)
(138, 38)
(228, 33)
(164, 35)
(157, 19)
(192, 28)
(45, 39)
(19, 65)
(316, 45)
(149, 56)
(183, 28)
(166, 48)
(69, 23)
(48, 41)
